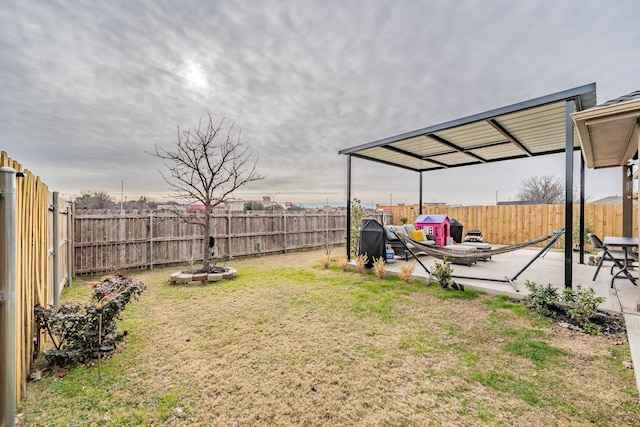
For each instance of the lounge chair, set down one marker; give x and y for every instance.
(397, 246)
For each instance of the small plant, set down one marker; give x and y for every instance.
(542, 299)
(404, 220)
(588, 229)
(343, 262)
(358, 213)
(581, 306)
(78, 334)
(361, 260)
(443, 274)
(379, 267)
(325, 260)
(406, 271)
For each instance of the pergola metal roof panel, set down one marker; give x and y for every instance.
(421, 146)
(472, 135)
(531, 128)
(393, 158)
(500, 151)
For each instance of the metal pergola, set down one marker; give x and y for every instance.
(536, 127)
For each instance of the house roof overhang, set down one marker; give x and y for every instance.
(608, 134)
(527, 129)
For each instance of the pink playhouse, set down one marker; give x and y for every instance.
(436, 225)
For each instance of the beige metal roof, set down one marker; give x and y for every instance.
(531, 128)
(609, 134)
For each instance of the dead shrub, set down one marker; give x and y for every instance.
(361, 260)
(379, 267)
(326, 256)
(325, 260)
(343, 262)
(406, 271)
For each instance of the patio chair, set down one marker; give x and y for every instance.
(606, 254)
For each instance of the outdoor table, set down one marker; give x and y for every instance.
(624, 243)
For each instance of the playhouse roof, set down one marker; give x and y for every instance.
(432, 219)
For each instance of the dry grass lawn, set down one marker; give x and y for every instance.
(290, 343)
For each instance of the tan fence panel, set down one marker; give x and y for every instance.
(34, 265)
(511, 224)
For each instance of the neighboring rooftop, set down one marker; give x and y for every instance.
(624, 98)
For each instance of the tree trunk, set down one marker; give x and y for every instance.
(206, 251)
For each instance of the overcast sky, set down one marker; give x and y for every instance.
(87, 87)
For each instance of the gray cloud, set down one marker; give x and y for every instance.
(88, 87)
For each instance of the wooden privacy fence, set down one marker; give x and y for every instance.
(110, 241)
(510, 224)
(42, 259)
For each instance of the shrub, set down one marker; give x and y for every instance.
(379, 267)
(443, 274)
(343, 262)
(542, 299)
(405, 271)
(358, 213)
(325, 260)
(361, 260)
(79, 334)
(581, 306)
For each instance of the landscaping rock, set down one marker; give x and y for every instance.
(215, 277)
(200, 277)
(184, 278)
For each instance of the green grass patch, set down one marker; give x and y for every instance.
(445, 294)
(504, 302)
(539, 352)
(506, 383)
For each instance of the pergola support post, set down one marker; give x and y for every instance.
(638, 298)
(627, 201)
(349, 207)
(568, 211)
(582, 219)
(420, 198)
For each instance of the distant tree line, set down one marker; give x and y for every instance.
(102, 200)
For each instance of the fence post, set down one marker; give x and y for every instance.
(229, 257)
(285, 229)
(56, 250)
(150, 240)
(8, 296)
(69, 248)
(326, 228)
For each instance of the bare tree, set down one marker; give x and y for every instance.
(547, 189)
(207, 165)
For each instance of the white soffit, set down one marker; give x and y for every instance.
(608, 134)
